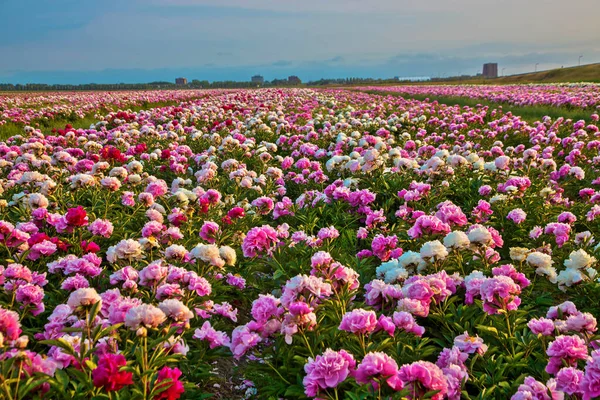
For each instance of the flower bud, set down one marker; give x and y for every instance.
(22, 342)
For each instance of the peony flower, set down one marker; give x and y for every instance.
(174, 386)
(590, 385)
(376, 367)
(326, 371)
(517, 216)
(144, 315)
(456, 240)
(359, 321)
(213, 337)
(532, 389)
(500, 293)
(76, 216)
(83, 297)
(433, 251)
(470, 344)
(421, 377)
(259, 241)
(10, 327)
(228, 255)
(242, 340)
(541, 326)
(569, 380)
(176, 310)
(107, 374)
(209, 231)
(407, 323)
(565, 350)
(101, 227)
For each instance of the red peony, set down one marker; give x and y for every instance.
(76, 216)
(108, 374)
(62, 246)
(175, 387)
(112, 153)
(37, 238)
(236, 212)
(89, 247)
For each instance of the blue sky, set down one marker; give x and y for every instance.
(105, 41)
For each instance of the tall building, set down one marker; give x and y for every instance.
(258, 79)
(181, 81)
(490, 70)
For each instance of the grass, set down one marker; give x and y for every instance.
(528, 113)
(10, 129)
(584, 73)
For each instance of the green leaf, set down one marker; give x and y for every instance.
(295, 390)
(488, 329)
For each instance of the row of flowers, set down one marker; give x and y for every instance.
(584, 95)
(31, 108)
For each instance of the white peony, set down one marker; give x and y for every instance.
(83, 297)
(457, 240)
(434, 249)
(539, 260)
(480, 235)
(579, 259)
(176, 310)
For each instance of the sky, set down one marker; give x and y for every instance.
(131, 41)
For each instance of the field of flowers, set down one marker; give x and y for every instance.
(571, 95)
(297, 243)
(33, 108)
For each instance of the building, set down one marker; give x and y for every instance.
(490, 70)
(181, 81)
(294, 80)
(258, 79)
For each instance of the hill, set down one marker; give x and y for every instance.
(584, 73)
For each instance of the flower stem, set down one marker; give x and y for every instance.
(510, 334)
(312, 354)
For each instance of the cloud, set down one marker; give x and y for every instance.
(282, 63)
(337, 59)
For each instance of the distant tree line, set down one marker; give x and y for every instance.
(204, 84)
(351, 81)
(194, 84)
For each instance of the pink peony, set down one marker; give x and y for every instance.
(209, 231)
(541, 326)
(421, 377)
(242, 340)
(565, 350)
(213, 337)
(10, 327)
(569, 380)
(407, 323)
(590, 385)
(327, 370)
(500, 293)
(470, 344)
(376, 367)
(534, 390)
(259, 241)
(517, 216)
(359, 321)
(101, 227)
